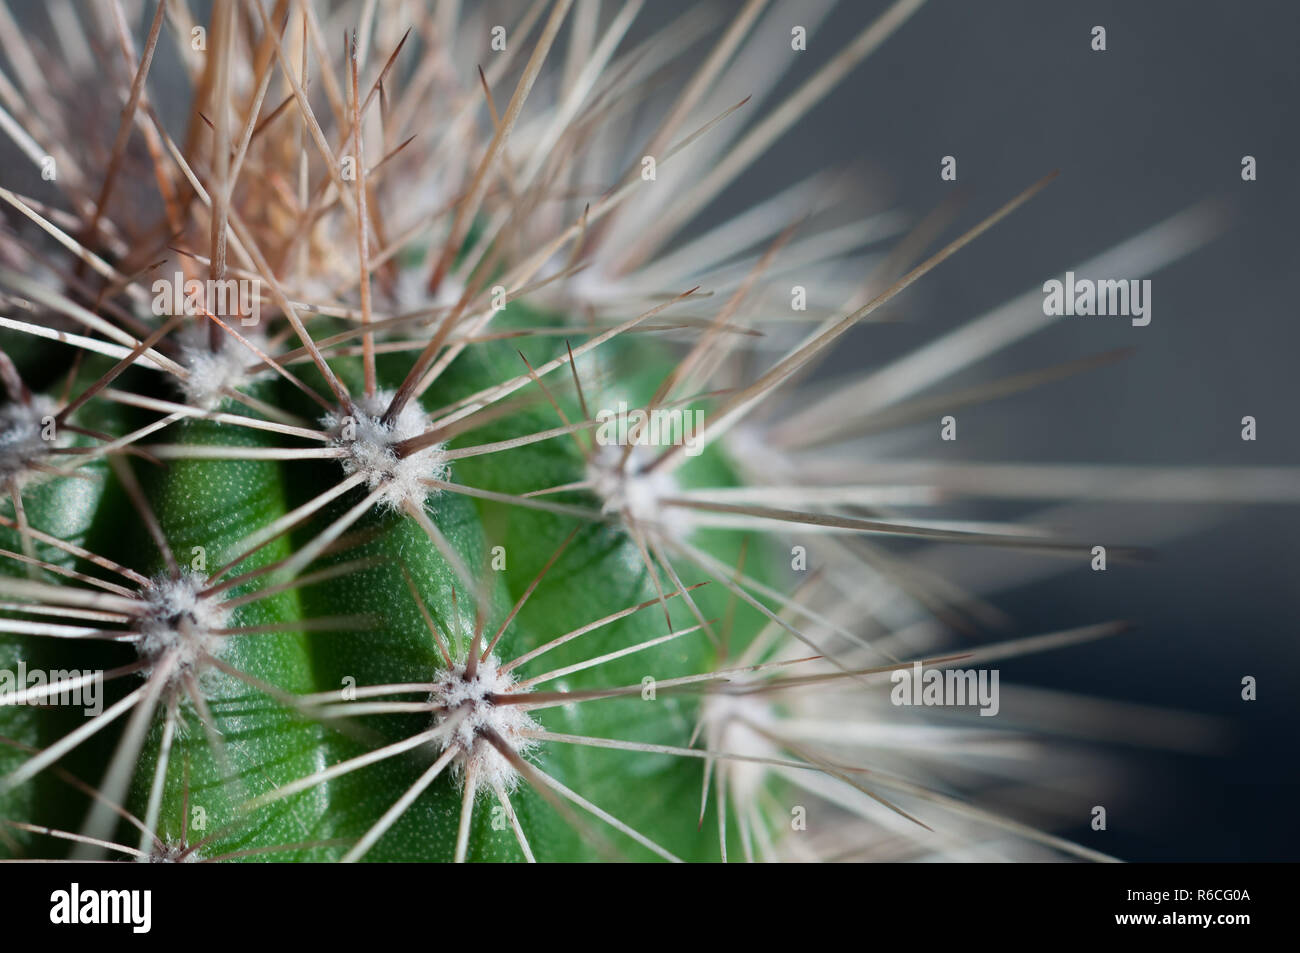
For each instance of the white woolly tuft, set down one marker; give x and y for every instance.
(369, 443)
(180, 623)
(21, 441)
(638, 494)
(735, 723)
(170, 854)
(413, 292)
(455, 693)
(211, 373)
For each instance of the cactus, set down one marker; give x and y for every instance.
(404, 495)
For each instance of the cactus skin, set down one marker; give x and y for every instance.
(202, 752)
(214, 505)
(206, 507)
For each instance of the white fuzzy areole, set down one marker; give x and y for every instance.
(413, 293)
(179, 623)
(471, 697)
(21, 443)
(170, 854)
(211, 373)
(636, 493)
(369, 443)
(731, 724)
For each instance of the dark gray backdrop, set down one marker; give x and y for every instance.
(1154, 124)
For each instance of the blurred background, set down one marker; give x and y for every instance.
(1153, 125)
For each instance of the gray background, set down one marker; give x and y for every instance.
(1151, 126)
